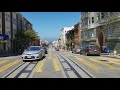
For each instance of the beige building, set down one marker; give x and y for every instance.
(101, 28)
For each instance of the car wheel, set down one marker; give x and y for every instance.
(24, 61)
(86, 54)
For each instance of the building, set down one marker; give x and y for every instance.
(35, 43)
(19, 22)
(0, 22)
(77, 35)
(62, 36)
(13, 30)
(70, 39)
(10, 24)
(7, 30)
(1, 44)
(88, 28)
(101, 28)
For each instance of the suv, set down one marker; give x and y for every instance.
(90, 50)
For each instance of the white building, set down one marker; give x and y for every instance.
(62, 35)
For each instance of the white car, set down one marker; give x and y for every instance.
(33, 53)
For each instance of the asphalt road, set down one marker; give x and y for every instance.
(60, 64)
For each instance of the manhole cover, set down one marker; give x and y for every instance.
(104, 60)
(67, 69)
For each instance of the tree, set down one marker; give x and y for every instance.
(25, 37)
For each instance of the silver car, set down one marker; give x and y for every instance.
(76, 50)
(33, 53)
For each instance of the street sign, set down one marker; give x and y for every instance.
(4, 37)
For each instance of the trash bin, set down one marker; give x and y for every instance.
(107, 50)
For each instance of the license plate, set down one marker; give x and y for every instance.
(95, 50)
(28, 56)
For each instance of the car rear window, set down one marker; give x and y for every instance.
(94, 47)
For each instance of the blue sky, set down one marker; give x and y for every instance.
(49, 24)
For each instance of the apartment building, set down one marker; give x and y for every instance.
(63, 37)
(101, 28)
(1, 44)
(77, 35)
(10, 24)
(0, 22)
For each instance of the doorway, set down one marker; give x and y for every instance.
(101, 40)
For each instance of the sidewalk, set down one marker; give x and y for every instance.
(9, 54)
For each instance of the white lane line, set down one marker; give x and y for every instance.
(18, 70)
(30, 67)
(23, 75)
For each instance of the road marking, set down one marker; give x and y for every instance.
(23, 75)
(55, 62)
(17, 70)
(39, 66)
(30, 67)
(115, 61)
(56, 65)
(94, 67)
(104, 64)
(2, 62)
(49, 55)
(9, 65)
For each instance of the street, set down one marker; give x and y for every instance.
(60, 64)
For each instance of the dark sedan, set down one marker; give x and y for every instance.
(90, 50)
(46, 50)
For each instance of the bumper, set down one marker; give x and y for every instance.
(94, 53)
(31, 57)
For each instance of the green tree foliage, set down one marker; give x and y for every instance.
(24, 37)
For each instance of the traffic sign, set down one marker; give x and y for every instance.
(4, 37)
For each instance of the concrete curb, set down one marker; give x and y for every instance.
(112, 57)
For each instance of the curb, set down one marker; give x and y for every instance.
(112, 57)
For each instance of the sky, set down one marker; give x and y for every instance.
(49, 24)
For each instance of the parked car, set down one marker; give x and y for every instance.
(46, 50)
(33, 53)
(76, 50)
(57, 49)
(90, 50)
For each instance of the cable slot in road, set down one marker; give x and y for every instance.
(22, 71)
(72, 69)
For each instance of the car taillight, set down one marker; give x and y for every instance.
(89, 48)
(99, 49)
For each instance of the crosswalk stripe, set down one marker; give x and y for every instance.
(94, 67)
(39, 66)
(2, 62)
(104, 64)
(9, 65)
(55, 62)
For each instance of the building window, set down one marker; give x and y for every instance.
(98, 16)
(89, 20)
(92, 19)
(110, 31)
(102, 15)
